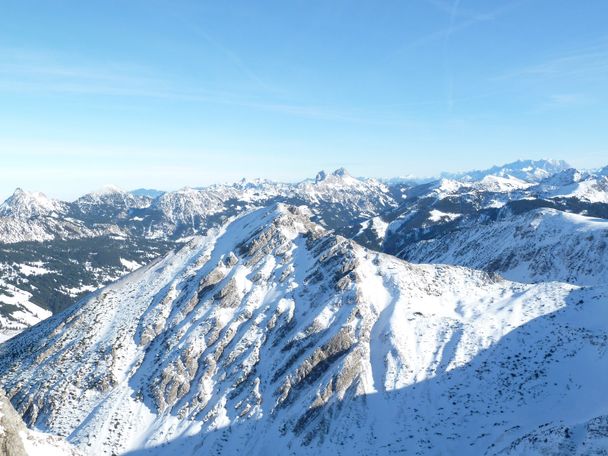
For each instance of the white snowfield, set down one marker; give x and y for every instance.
(274, 336)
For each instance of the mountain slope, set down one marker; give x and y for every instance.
(273, 335)
(539, 245)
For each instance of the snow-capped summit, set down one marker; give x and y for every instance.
(109, 189)
(26, 205)
(526, 170)
(187, 206)
(109, 201)
(566, 177)
(32, 216)
(500, 184)
(577, 185)
(444, 187)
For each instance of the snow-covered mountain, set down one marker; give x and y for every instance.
(32, 216)
(273, 335)
(526, 170)
(338, 200)
(536, 246)
(100, 236)
(590, 189)
(22, 204)
(108, 204)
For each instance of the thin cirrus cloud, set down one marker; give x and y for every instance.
(589, 61)
(454, 11)
(26, 71)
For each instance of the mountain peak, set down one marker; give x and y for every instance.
(321, 176)
(24, 204)
(341, 172)
(108, 190)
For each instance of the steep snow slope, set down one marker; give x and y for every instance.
(540, 245)
(274, 336)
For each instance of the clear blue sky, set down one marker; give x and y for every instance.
(171, 93)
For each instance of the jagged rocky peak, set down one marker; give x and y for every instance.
(23, 204)
(338, 174)
(341, 172)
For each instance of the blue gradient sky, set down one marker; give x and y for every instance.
(171, 93)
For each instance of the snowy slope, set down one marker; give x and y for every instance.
(274, 336)
(540, 245)
(17, 312)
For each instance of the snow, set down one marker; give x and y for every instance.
(40, 444)
(540, 245)
(251, 338)
(25, 205)
(436, 216)
(130, 265)
(33, 269)
(591, 190)
(271, 334)
(26, 313)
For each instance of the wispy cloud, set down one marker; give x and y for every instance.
(447, 7)
(467, 20)
(23, 71)
(590, 61)
(566, 101)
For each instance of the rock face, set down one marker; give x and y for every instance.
(11, 426)
(272, 335)
(17, 440)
